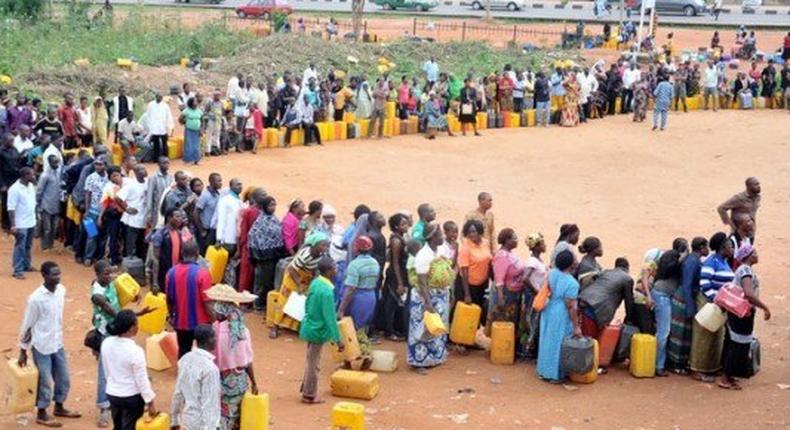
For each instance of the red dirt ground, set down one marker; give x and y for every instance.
(633, 188)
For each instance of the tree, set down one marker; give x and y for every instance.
(29, 9)
(357, 8)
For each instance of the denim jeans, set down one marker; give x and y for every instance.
(21, 258)
(101, 387)
(51, 368)
(663, 313)
(660, 118)
(542, 113)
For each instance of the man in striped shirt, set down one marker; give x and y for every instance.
(187, 283)
(715, 270)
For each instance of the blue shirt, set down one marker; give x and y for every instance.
(689, 282)
(363, 273)
(664, 93)
(556, 85)
(714, 274)
(207, 206)
(431, 70)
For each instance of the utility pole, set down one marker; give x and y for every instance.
(357, 9)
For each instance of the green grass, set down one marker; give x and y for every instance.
(147, 39)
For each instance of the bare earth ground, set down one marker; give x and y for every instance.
(633, 188)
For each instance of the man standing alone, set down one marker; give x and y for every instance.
(22, 216)
(42, 332)
(746, 202)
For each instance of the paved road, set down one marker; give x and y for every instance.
(768, 16)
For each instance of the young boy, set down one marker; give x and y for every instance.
(319, 326)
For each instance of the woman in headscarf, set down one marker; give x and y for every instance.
(535, 274)
(233, 353)
(434, 117)
(435, 276)
(265, 243)
(570, 107)
(99, 121)
(247, 218)
(589, 267)
(364, 101)
(558, 319)
(298, 275)
(706, 347)
(641, 95)
(736, 356)
(291, 221)
(362, 277)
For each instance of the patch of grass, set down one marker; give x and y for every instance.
(145, 38)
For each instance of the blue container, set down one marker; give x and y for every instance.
(90, 227)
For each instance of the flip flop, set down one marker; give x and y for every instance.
(65, 413)
(731, 386)
(49, 423)
(307, 401)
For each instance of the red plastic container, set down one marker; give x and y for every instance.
(607, 341)
(169, 345)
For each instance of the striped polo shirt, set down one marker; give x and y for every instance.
(714, 274)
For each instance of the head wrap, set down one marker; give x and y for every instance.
(328, 210)
(653, 255)
(363, 243)
(534, 239)
(315, 238)
(744, 252)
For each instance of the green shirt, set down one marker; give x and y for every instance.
(418, 232)
(363, 273)
(101, 318)
(193, 118)
(320, 320)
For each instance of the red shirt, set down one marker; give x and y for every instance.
(68, 117)
(787, 42)
(187, 284)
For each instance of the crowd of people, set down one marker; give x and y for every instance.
(59, 184)
(385, 285)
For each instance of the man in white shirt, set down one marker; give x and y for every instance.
(159, 122)
(310, 72)
(711, 80)
(196, 398)
(22, 141)
(132, 194)
(630, 77)
(233, 86)
(121, 105)
(129, 131)
(22, 216)
(85, 122)
(42, 333)
(55, 148)
(227, 217)
(587, 84)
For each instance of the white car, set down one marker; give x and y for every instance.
(511, 5)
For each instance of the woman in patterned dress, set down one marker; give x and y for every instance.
(570, 109)
(435, 276)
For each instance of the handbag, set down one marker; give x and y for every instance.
(730, 297)
(542, 298)
(295, 306)
(93, 340)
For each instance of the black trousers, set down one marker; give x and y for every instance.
(185, 340)
(126, 411)
(4, 202)
(264, 280)
(628, 97)
(135, 242)
(478, 293)
(208, 240)
(339, 114)
(612, 100)
(159, 143)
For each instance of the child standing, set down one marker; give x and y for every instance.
(318, 327)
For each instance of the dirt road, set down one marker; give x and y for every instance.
(633, 188)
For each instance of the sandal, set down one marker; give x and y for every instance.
(49, 423)
(704, 378)
(729, 386)
(313, 401)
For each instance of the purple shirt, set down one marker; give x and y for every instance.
(19, 116)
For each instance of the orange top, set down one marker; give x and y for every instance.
(477, 258)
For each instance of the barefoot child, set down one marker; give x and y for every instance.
(319, 326)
